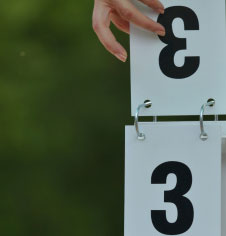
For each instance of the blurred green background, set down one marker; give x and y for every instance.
(64, 101)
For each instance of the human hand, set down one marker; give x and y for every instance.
(121, 13)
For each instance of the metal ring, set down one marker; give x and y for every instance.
(210, 103)
(146, 104)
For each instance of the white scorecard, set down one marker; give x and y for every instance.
(173, 181)
(181, 71)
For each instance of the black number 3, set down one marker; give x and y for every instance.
(174, 44)
(183, 204)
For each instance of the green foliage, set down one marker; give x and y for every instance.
(64, 102)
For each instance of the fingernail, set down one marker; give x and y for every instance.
(161, 32)
(121, 57)
(161, 10)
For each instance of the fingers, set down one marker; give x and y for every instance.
(154, 4)
(130, 13)
(121, 24)
(121, 13)
(101, 24)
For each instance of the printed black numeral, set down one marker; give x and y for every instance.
(176, 196)
(174, 44)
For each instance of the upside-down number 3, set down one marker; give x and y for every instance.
(174, 44)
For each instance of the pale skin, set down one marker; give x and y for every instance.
(121, 13)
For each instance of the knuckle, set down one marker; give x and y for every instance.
(96, 25)
(108, 45)
(127, 13)
(149, 25)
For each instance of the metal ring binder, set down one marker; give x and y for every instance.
(210, 103)
(146, 104)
